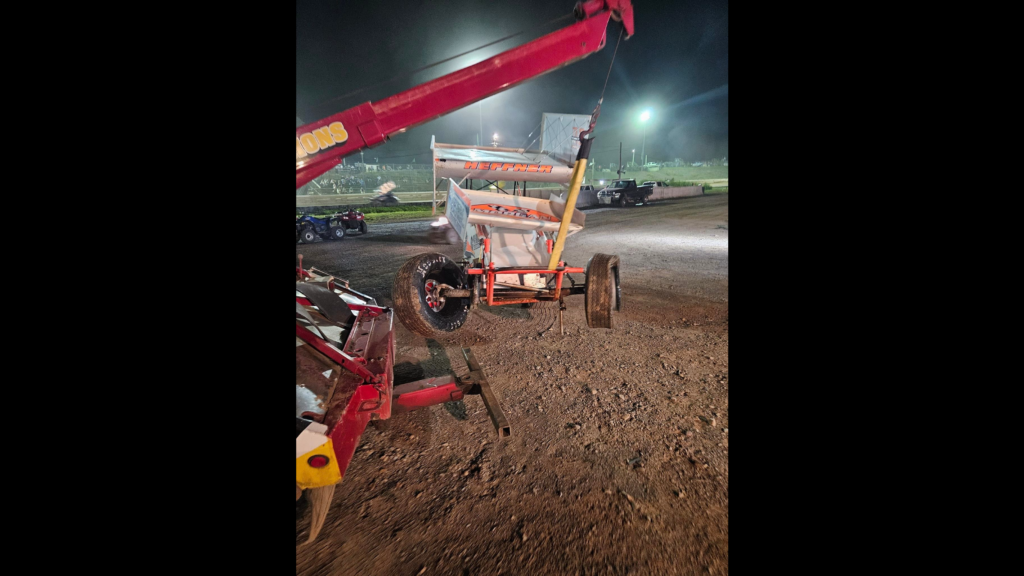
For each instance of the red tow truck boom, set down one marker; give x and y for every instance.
(321, 145)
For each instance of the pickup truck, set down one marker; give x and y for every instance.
(625, 193)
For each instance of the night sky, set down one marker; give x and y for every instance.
(676, 65)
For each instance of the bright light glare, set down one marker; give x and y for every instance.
(495, 135)
(601, 182)
(645, 116)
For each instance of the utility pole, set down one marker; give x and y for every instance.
(634, 156)
(619, 172)
(643, 146)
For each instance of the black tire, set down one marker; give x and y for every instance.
(297, 237)
(409, 292)
(363, 228)
(603, 294)
(308, 235)
(338, 232)
(622, 201)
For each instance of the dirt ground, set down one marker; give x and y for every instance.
(618, 460)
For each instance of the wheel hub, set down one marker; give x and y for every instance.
(432, 292)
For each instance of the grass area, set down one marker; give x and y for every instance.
(683, 173)
(411, 181)
(390, 209)
(396, 216)
(386, 213)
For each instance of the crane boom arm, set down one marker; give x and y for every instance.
(320, 145)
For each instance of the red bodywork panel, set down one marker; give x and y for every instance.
(322, 144)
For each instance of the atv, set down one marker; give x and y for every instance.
(352, 219)
(307, 228)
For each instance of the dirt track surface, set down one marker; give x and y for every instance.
(618, 459)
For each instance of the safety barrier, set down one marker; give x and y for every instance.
(588, 198)
(677, 192)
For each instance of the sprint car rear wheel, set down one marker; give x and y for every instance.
(602, 295)
(417, 302)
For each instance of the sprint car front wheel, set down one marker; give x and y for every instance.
(418, 304)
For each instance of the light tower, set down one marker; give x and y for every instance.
(644, 118)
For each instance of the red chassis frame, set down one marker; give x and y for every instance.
(368, 357)
(514, 296)
(518, 296)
